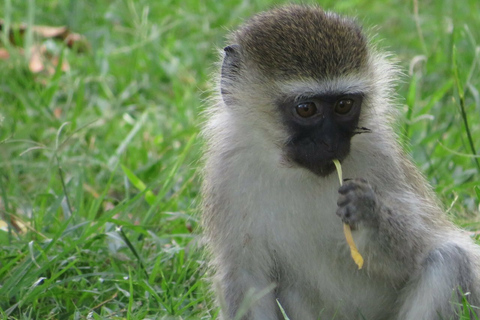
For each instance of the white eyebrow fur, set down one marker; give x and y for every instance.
(306, 87)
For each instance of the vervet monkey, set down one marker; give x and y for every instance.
(300, 87)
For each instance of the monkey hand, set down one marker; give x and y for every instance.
(357, 203)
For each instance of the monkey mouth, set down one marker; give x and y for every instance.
(323, 170)
(316, 159)
(320, 168)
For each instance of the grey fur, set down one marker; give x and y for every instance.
(270, 222)
(297, 41)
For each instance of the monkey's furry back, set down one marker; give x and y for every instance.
(267, 221)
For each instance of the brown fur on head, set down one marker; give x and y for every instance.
(296, 41)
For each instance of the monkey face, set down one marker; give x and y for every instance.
(320, 129)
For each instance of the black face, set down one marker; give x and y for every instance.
(320, 128)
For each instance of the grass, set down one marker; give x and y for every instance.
(99, 165)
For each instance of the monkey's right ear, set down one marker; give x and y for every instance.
(231, 48)
(230, 67)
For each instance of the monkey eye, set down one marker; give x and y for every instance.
(343, 106)
(306, 109)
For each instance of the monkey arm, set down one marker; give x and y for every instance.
(410, 250)
(391, 232)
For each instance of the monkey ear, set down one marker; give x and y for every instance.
(231, 49)
(230, 67)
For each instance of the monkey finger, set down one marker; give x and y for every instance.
(347, 187)
(343, 200)
(348, 214)
(356, 185)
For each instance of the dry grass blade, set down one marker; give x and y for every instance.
(356, 256)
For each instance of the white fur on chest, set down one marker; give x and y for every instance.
(291, 212)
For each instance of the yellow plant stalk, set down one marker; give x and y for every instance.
(356, 256)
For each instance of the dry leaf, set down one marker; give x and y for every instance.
(57, 112)
(50, 32)
(35, 64)
(41, 60)
(4, 54)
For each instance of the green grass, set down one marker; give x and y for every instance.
(100, 164)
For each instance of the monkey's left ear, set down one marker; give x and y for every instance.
(230, 67)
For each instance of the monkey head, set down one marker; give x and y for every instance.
(310, 70)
